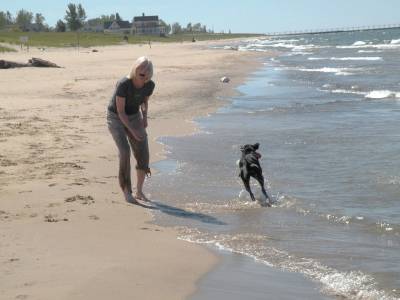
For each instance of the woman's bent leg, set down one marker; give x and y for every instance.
(141, 153)
(120, 137)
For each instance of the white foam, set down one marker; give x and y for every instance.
(359, 43)
(347, 285)
(369, 51)
(342, 91)
(327, 85)
(382, 94)
(318, 58)
(357, 58)
(377, 46)
(347, 58)
(336, 71)
(298, 53)
(395, 41)
(387, 46)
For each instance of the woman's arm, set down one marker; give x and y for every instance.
(120, 102)
(145, 108)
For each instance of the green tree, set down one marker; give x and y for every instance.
(189, 27)
(117, 17)
(9, 18)
(176, 28)
(24, 19)
(60, 26)
(75, 17)
(39, 21)
(3, 19)
(106, 18)
(196, 27)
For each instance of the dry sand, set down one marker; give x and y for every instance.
(65, 230)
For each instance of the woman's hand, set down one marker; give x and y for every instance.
(144, 122)
(136, 134)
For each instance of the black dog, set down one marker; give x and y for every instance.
(249, 166)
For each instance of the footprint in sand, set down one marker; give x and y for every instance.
(151, 229)
(84, 200)
(80, 181)
(61, 168)
(53, 218)
(4, 215)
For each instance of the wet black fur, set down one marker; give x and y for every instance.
(249, 166)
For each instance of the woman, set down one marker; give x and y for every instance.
(127, 122)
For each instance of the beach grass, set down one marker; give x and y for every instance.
(6, 49)
(90, 39)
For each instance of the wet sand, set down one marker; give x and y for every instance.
(237, 277)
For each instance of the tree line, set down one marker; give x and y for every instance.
(75, 19)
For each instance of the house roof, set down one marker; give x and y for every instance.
(121, 24)
(145, 18)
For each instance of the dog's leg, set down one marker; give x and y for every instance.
(260, 180)
(246, 182)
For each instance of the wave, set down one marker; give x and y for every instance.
(387, 46)
(286, 44)
(371, 58)
(366, 223)
(343, 91)
(252, 49)
(348, 285)
(297, 53)
(336, 71)
(383, 94)
(359, 43)
(369, 51)
(374, 94)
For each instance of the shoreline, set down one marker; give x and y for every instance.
(59, 191)
(238, 276)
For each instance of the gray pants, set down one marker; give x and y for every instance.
(140, 148)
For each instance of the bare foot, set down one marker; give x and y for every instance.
(130, 199)
(142, 197)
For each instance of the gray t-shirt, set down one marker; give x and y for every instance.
(134, 97)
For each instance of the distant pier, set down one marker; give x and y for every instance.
(336, 30)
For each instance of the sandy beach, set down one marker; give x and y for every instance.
(66, 232)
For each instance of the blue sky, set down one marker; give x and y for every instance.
(258, 16)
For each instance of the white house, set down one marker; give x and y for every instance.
(118, 27)
(148, 25)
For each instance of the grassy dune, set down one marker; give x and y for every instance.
(89, 39)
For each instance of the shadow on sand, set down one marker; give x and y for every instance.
(181, 213)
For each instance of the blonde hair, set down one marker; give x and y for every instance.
(142, 63)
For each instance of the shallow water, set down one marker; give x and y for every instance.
(329, 133)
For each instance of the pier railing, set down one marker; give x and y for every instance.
(336, 30)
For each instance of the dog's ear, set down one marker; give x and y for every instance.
(241, 148)
(256, 145)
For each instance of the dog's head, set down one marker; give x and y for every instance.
(248, 148)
